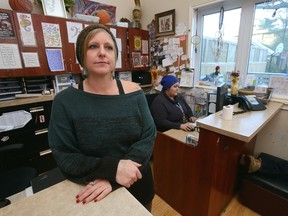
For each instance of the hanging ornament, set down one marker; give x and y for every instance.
(195, 39)
(218, 41)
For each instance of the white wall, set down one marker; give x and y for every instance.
(149, 8)
(273, 138)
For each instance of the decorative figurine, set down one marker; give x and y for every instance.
(137, 14)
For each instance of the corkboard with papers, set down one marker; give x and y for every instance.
(170, 54)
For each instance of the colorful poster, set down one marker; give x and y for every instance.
(26, 29)
(73, 30)
(55, 59)
(25, 22)
(88, 7)
(136, 59)
(6, 27)
(137, 43)
(52, 35)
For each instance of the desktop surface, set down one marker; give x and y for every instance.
(243, 126)
(60, 199)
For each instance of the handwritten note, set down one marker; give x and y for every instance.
(9, 56)
(31, 59)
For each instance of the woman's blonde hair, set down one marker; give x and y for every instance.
(83, 39)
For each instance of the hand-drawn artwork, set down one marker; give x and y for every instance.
(52, 35)
(26, 29)
(144, 60)
(73, 30)
(25, 22)
(136, 59)
(88, 7)
(6, 27)
(137, 43)
(55, 59)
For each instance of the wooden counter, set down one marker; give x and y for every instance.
(60, 199)
(201, 180)
(28, 100)
(243, 126)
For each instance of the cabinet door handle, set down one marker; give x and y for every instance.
(36, 109)
(5, 138)
(45, 152)
(42, 131)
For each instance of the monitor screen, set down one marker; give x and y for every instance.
(221, 94)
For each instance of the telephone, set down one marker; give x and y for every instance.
(250, 103)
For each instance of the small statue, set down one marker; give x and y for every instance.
(137, 11)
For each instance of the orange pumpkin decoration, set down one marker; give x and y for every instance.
(22, 6)
(104, 16)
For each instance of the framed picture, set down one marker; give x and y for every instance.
(54, 8)
(165, 23)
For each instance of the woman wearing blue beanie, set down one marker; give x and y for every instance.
(170, 110)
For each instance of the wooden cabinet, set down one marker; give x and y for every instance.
(8, 35)
(33, 136)
(121, 36)
(66, 49)
(133, 43)
(198, 180)
(139, 49)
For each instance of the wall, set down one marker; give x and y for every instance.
(273, 138)
(149, 8)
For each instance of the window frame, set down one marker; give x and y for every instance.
(245, 32)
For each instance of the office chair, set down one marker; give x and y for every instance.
(15, 180)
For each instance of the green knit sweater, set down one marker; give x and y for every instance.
(89, 134)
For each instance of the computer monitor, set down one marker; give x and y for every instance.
(221, 95)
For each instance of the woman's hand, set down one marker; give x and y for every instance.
(192, 119)
(95, 190)
(186, 127)
(128, 172)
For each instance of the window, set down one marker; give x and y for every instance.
(219, 41)
(249, 35)
(268, 38)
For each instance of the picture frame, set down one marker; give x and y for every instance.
(165, 23)
(54, 8)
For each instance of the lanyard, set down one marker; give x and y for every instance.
(184, 118)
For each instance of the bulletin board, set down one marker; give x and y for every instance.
(169, 54)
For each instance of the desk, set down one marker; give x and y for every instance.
(202, 180)
(24, 101)
(60, 199)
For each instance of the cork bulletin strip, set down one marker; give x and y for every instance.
(179, 63)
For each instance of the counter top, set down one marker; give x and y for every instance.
(243, 126)
(60, 199)
(28, 100)
(180, 134)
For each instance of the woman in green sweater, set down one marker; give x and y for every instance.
(101, 131)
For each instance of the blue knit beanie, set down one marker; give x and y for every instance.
(167, 81)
